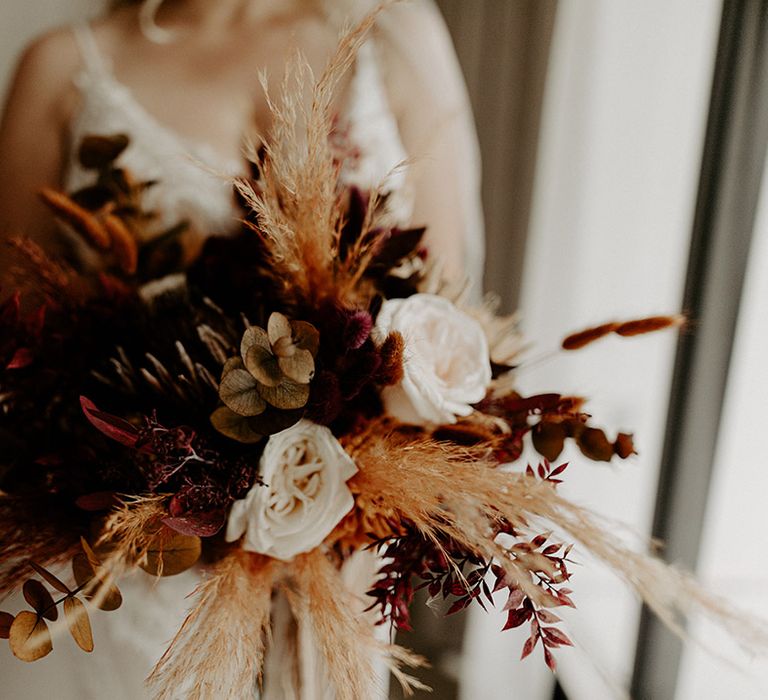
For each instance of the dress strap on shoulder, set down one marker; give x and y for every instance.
(93, 60)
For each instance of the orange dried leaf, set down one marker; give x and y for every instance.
(79, 624)
(594, 445)
(29, 637)
(123, 244)
(79, 218)
(624, 445)
(170, 553)
(40, 599)
(52, 580)
(84, 572)
(549, 439)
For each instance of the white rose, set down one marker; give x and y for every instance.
(305, 470)
(446, 361)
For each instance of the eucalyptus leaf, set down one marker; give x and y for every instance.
(230, 365)
(171, 553)
(49, 578)
(278, 327)
(254, 337)
(29, 637)
(84, 572)
(239, 391)
(235, 426)
(40, 599)
(285, 395)
(274, 420)
(306, 336)
(299, 367)
(263, 365)
(6, 620)
(79, 624)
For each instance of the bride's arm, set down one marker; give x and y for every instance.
(32, 133)
(429, 96)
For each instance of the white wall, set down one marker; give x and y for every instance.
(20, 20)
(624, 116)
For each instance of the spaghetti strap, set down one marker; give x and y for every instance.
(93, 61)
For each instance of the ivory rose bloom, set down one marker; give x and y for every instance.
(446, 362)
(305, 470)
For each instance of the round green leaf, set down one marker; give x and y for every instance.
(262, 364)
(306, 336)
(235, 426)
(300, 367)
(238, 390)
(285, 395)
(278, 327)
(254, 337)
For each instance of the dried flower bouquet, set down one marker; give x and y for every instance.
(285, 398)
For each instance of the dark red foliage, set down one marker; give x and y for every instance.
(19, 333)
(113, 427)
(205, 481)
(415, 562)
(392, 246)
(446, 570)
(552, 419)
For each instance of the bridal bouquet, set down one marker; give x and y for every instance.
(287, 398)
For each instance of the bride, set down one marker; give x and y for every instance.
(181, 79)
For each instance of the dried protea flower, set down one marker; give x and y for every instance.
(273, 371)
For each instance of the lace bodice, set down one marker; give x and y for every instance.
(194, 181)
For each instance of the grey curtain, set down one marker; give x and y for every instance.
(503, 46)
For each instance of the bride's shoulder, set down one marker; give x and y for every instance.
(50, 56)
(44, 71)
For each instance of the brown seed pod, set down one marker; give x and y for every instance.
(391, 370)
(575, 341)
(649, 325)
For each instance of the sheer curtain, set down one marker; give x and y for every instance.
(625, 107)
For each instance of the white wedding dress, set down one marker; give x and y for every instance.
(193, 185)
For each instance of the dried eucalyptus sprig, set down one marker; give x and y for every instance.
(265, 388)
(28, 633)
